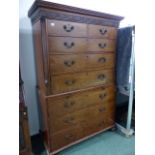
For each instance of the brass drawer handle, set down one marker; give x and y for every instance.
(102, 96)
(102, 59)
(69, 120)
(102, 45)
(69, 63)
(103, 109)
(67, 45)
(68, 28)
(101, 77)
(69, 104)
(70, 82)
(103, 31)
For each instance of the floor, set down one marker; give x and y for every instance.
(106, 143)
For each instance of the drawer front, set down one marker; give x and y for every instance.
(98, 31)
(75, 133)
(65, 28)
(70, 103)
(80, 117)
(68, 82)
(98, 124)
(100, 60)
(67, 44)
(66, 137)
(101, 45)
(67, 63)
(80, 62)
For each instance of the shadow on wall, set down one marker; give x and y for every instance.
(28, 72)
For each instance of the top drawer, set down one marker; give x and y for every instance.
(99, 31)
(65, 28)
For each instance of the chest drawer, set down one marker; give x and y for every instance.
(101, 45)
(66, 137)
(67, 44)
(76, 132)
(59, 106)
(79, 62)
(106, 60)
(80, 117)
(66, 28)
(99, 31)
(98, 124)
(68, 82)
(67, 63)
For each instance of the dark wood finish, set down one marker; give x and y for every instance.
(75, 57)
(41, 8)
(24, 136)
(70, 9)
(40, 56)
(25, 142)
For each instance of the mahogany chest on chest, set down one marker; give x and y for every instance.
(75, 60)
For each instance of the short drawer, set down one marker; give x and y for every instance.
(105, 60)
(81, 117)
(66, 44)
(99, 31)
(80, 62)
(68, 82)
(67, 63)
(66, 28)
(101, 45)
(62, 105)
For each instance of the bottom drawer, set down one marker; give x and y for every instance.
(66, 137)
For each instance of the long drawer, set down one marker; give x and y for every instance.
(81, 117)
(62, 105)
(68, 82)
(80, 62)
(77, 132)
(78, 45)
(66, 28)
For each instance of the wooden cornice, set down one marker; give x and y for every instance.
(49, 5)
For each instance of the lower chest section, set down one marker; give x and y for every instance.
(77, 115)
